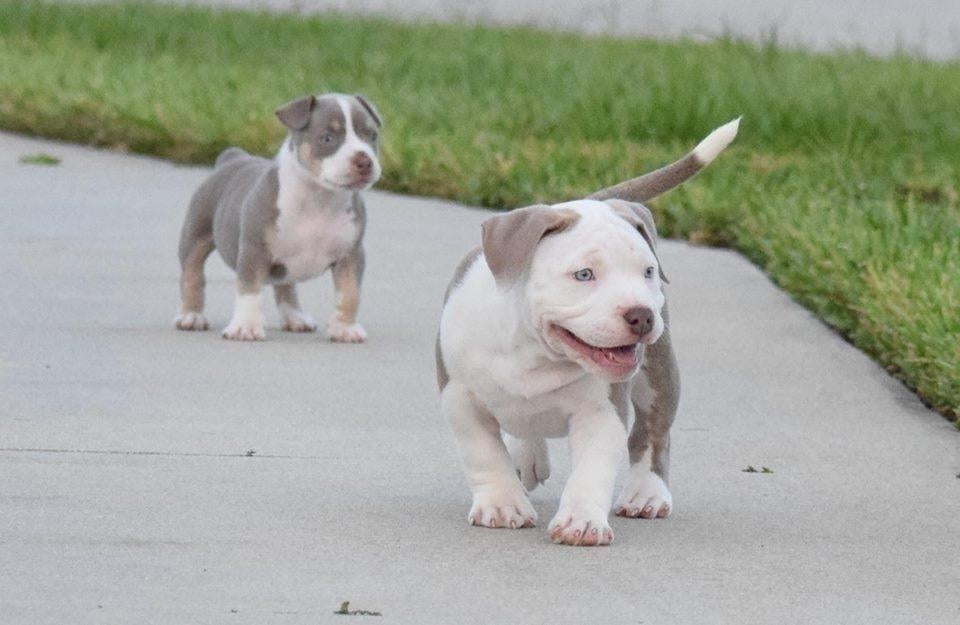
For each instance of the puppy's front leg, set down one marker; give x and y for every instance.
(347, 275)
(596, 445)
(498, 497)
(247, 321)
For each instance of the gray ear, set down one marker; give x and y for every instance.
(510, 239)
(295, 115)
(370, 108)
(642, 219)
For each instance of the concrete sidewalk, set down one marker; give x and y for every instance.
(149, 476)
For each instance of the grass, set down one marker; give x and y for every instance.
(40, 159)
(842, 186)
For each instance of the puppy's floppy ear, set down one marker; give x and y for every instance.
(642, 219)
(370, 108)
(295, 115)
(510, 239)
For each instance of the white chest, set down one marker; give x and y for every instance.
(544, 415)
(526, 419)
(309, 239)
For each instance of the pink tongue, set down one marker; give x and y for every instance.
(618, 355)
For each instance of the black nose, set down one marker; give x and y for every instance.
(640, 320)
(362, 162)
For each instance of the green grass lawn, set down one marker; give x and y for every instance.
(843, 184)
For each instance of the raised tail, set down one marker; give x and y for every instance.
(228, 155)
(651, 185)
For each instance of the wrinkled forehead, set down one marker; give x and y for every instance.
(598, 229)
(330, 116)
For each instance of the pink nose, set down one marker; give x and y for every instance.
(640, 320)
(362, 163)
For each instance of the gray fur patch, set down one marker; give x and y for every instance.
(510, 239)
(237, 203)
(324, 134)
(365, 123)
(295, 115)
(371, 109)
(651, 428)
(649, 186)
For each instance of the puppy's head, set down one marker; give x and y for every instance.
(588, 277)
(335, 138)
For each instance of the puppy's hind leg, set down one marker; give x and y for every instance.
(193, 255)
(294, 319)
(531, 459)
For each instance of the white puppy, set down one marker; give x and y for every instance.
(557, 326)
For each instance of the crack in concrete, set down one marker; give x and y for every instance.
(172, 454)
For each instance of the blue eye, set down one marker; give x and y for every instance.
(649, 272)
(583, 275)
(327, 138)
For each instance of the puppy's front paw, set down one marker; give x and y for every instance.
(191, 321)
(298, 321)
(340, 332)
(645, 496)
(581, 525)
(501, 508)
(244, 331)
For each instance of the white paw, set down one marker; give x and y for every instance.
(298, 321)
(244, 331)
(247, 321)
(191, 321)
(645, 495)
(531, 459)
(340, 332)
(583, 525)
(501, 508)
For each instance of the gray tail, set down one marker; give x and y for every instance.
(228, 155)
(651, 185)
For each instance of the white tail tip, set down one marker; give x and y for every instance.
(716, 142)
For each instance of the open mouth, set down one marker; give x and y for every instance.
(618, 360)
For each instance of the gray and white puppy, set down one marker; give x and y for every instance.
(287, 220)
(557, 326)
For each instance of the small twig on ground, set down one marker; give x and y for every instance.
(345, 610)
